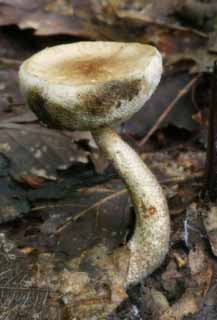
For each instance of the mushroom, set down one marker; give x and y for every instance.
(94, 86)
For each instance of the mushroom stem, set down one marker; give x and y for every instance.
(149, 243)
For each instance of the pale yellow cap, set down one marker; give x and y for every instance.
(88, 85)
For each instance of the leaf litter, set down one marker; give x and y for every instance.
(69, 213)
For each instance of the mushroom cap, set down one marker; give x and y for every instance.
(87, 85)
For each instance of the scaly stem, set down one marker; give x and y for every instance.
(149, 243)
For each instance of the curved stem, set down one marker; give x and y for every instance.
(149, 243)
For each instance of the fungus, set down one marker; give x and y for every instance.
(94, 86)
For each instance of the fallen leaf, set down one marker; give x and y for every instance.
(180, 116)
(197, 260)
(32, 181)
(155, 302)
(101, 212)
(13, 202)
(34, 150)
(171, 279)
(186, 305)
(19, 298)
(210, 223)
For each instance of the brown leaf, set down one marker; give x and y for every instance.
(13, 202)
(32, 181)
(11, 102)
(91, 226)
(82, 268)
(98, 212)
(19, 298)
(180, 115)
(38, 151)
(95, 19)
(187, 305)
(170, 278)
(197, 260)
(155, 302)
(210, 223)
(201, 269)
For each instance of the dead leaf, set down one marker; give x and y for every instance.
(201, 270)
(171, 279)
(19, 298)
(32, 181)
(187, 305)
(180, 116)
(13, 202)
(197, 260)
(101, 212)
(95, 20)
(156, 301)
(210, 223)
(11, 103)
(38, 151)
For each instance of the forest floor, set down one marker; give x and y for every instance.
(61, 203)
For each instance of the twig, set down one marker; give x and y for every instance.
(8, 61)
(181, 93)
(82, 213)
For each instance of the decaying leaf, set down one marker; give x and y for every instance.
(38, 151)
(100, 212)
(10, 99)
(13, 202)
(187, 305)
(19, 297)
(167, 91)
(85, 271)
(210, 223)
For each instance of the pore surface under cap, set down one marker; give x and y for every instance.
(90, 84)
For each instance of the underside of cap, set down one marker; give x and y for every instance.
(88, 85)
